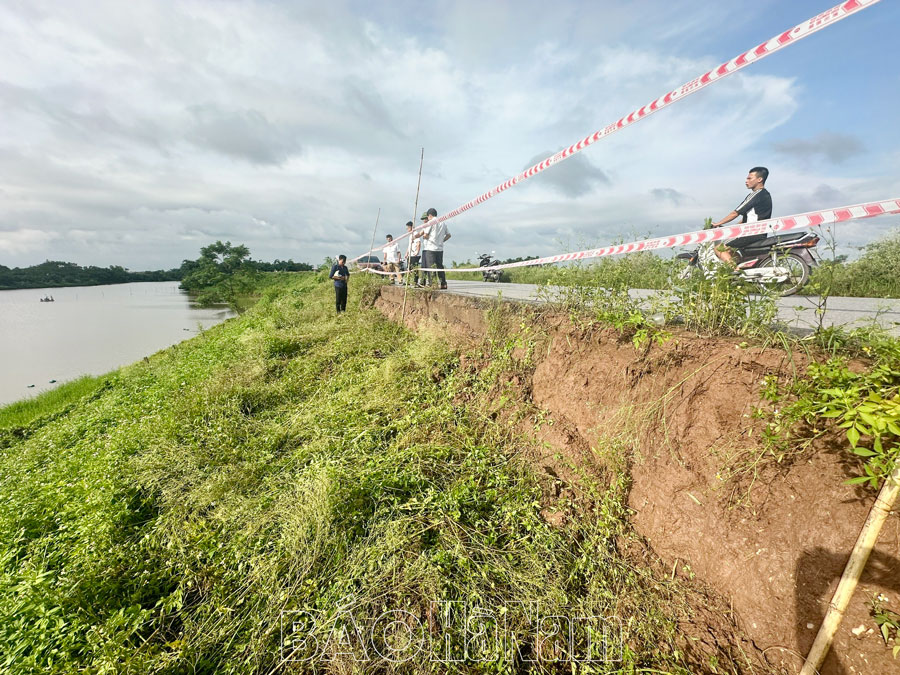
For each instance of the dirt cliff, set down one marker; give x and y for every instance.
(770, 538)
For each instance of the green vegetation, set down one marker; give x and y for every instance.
(714, 306)
(876, 274)
(55, 273)
(290, 461)
(220, 274)
(225, 273)
(830, 394)
(22, 414)
(888, 623)
(638, 270)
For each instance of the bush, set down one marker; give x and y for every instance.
(874, 275)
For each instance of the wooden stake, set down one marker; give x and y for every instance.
(885, 501)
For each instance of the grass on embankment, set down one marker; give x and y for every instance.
(285, 461)
(24, 412)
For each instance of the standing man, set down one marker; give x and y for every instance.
(413, 249)
(392, 258)
(434, 235)
(340, 274)
(757, 206)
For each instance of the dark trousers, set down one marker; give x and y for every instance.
(433, 259)
(412, 264)
(340, 298)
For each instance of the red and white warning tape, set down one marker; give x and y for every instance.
(839, 214)
(788, 37)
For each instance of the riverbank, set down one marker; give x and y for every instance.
(294, 491)
(291, 461)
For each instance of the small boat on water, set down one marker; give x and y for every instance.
(47, 298)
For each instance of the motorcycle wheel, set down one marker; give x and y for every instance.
(799, 274)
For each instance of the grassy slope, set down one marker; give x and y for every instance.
(291, 460)
(27, 411)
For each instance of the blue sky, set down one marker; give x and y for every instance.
(135, 133)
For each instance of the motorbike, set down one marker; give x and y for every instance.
(781, 264)
(484, 260)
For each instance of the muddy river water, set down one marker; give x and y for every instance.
(90, 330)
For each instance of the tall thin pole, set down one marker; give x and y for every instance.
(372, 245)
(409, 245)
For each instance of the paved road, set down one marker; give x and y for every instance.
(797, 311)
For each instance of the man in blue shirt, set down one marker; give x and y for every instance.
(340, 274)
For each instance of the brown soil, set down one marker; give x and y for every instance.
(771, 546)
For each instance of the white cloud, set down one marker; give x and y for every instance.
(135, 133)
(24, 240)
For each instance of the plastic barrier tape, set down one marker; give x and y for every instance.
(839, 214)
(788, 37)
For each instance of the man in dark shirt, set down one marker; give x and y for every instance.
(340, 274)
(757, 206)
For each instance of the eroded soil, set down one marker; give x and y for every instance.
(768, 542)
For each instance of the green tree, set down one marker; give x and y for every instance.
(220, 274)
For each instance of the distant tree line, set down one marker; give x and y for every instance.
(519, 259)
(56, 273)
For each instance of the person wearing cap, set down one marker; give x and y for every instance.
(433, 237)
(413, 250)
(392, 259)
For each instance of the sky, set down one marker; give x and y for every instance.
(134, 133)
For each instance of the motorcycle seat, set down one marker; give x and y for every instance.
(769, 242)
(793, 236)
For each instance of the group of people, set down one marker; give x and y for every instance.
(425, 249)
(427, 245)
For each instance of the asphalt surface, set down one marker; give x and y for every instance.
(798, 311)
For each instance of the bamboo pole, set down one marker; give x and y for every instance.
(409, 244)
(885, 501)
(374, 229)
(372, 244)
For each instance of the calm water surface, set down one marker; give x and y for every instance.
(90, 330)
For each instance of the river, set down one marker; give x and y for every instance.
(90, 330)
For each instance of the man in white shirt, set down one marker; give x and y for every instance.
(433, 237)
(413, 251)
(392, 259)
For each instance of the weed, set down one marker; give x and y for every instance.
(32, 411)
(888, 623)
(865, 405)
(720, 305)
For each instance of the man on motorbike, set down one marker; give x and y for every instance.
(757, 206)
